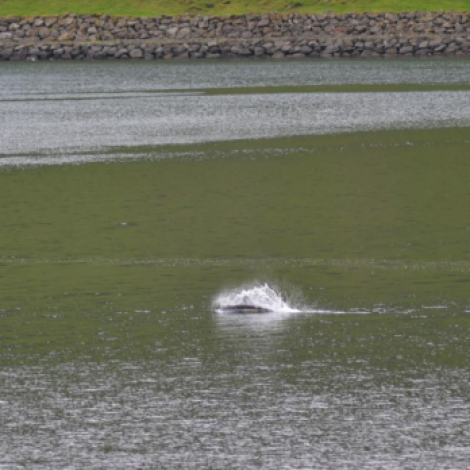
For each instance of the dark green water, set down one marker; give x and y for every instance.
(112, 355)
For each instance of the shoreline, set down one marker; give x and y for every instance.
(276, 36)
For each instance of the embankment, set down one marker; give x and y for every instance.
(277, 36)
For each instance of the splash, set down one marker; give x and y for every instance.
(262, 296)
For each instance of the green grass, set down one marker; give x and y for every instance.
(218, 7)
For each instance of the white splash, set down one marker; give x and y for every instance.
(259, 295)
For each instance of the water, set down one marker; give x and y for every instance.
(76, 111)
(130, 218)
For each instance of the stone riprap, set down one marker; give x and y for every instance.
(271, 35)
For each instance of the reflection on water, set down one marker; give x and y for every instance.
(75, 112)
(43, 80)
(82, 127)
(112, 354)
(238, 411)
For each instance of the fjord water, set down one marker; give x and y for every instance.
(135, 197)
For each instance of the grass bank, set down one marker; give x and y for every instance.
(218, 7)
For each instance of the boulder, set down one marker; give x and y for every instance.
(67, 36)
(44, 32)
(330, 50)
(172, 32)
(406, 50)
(136, 54)
(6, 54)
(183, 32)
(435, 43)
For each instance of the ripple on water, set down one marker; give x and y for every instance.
(86, 125)
(121, 415)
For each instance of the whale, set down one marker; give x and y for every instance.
(244, 308)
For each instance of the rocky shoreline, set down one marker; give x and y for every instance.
(370, 35)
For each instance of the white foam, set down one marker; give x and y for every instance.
(259, 295)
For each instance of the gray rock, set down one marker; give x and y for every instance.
(6, 54)
(120, 53)
(330, 50)
(67, 36)
(435, 42)
(450, 50)
(406, 50)
(178, 50)
(335, 35)
(172, 32)
(184, 33)
(136, 54)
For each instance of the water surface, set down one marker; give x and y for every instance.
(123, 220)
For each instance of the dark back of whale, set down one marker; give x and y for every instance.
(245, 308)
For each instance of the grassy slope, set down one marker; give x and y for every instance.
(218, 7)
